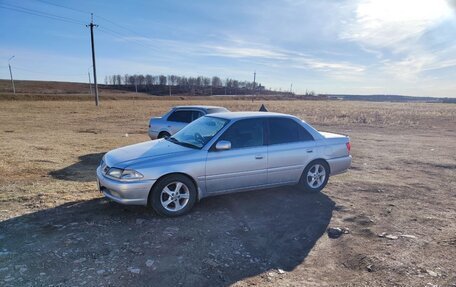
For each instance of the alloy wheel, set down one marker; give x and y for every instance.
(175, 196)
(316, 175)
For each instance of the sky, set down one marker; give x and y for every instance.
(405, 47)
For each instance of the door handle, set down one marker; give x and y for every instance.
(258, 156)
(309, 151)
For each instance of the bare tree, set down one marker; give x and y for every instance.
(216, 82)
(193, 85)
(149, 80)
(162, 80)
(141, 80)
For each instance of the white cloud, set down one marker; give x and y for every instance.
(394, 24)
(245, 52)
(263, 55)
(394, 31)
(312, 63)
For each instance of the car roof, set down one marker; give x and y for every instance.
(198, 107)
(246, 115)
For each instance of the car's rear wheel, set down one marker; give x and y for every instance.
(162, 135)
(315, 176)
(173, 195)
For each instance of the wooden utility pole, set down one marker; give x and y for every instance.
(254, 80)
(91, 25)
(90, 83)
(11, 75)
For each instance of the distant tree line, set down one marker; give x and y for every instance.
(173, 84)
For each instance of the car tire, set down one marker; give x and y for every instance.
(173, 195)
(162, 135)
(315, 176)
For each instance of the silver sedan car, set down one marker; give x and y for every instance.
(222, 153)
(177, 118)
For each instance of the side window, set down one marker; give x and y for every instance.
(245, 133)
(304, 135)
(181, 116)
(196, 115)
(283, 130)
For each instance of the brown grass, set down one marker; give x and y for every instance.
(403, 155)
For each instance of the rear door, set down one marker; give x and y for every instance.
(244, 166)
(290, 147)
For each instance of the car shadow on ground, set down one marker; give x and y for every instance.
(223, 240)
(81, 171)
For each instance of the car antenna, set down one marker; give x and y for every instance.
(263, 108)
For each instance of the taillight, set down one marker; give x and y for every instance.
(348, 146)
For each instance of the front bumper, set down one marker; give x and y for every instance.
(131, 193)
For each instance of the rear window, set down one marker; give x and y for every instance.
(217, 110)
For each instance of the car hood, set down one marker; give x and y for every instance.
(128, 155)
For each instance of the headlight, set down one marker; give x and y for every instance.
(126, 174)
(131, 174)
(115, 172)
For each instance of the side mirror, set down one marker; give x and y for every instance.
(223, 145)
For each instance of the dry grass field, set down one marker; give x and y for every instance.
(55, 229)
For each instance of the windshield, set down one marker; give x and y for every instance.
(198, 133)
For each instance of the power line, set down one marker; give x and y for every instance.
(24, 9)
(122, 27)
(98, 16)
(30, 13)
(114, 33)
(122, 37)
(111, 32)
(40, 72)
(34, 71)
(106, 30)
(62, 6)
(40, 13)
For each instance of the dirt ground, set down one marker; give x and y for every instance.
(57, 230)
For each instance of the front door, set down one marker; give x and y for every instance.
(244, 166)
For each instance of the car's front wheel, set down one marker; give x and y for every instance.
(315, 176)
(173, 195)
